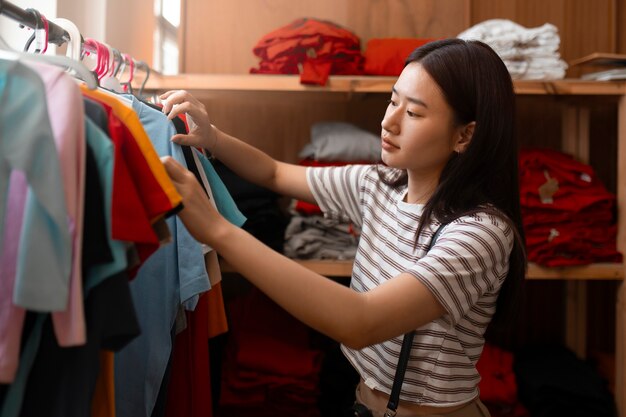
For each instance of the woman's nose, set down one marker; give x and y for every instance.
(390, 122)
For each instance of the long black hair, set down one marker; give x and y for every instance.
(477, 86)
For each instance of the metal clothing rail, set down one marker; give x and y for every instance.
(56, 34)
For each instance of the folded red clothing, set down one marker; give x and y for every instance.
(497, 383)
(599, 212)
(274, 356)
(387, 56)
(554, 180)
(312, 48)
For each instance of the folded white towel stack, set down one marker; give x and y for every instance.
(528, 53)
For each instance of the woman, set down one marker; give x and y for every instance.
(451, 159)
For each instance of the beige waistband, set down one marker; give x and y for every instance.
(377, 400)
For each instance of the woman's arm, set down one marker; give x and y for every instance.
(354, 319)
(246, 161)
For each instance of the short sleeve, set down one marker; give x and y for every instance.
(469, 261)
(340, 191)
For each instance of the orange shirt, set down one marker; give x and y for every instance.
(131, 121)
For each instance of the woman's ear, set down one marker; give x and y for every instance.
(464, 138)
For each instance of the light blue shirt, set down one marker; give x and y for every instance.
(27, 144)
(175, 275)
(172, 275)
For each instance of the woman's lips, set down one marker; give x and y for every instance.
(387, 145)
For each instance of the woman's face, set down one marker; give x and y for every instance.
(418, 132)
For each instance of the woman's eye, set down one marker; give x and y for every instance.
(411, 114)
(392, 103)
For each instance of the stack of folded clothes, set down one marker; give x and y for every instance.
(528, 53)
(567, 212)
(309, 234)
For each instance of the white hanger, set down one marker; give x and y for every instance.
(75, 44)
(62, 61)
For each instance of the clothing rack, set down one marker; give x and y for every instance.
(56, 34)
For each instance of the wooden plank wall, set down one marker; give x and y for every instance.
(220, 34)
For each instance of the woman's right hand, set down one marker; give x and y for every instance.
(199, 216)
(201, 132)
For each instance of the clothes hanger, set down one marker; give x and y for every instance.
(128, 86)
(67, 63)
(145, 80)
(74, 45)
(106, 58)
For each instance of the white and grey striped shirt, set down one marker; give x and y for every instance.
(464, 270)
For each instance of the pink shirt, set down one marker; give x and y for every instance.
(66, 111)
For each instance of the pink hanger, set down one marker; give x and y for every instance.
(46, 29)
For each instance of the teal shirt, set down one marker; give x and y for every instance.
(103, 151)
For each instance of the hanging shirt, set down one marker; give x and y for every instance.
(171, 276)
(192, 273)
(137, 196)
(126, 114)
(45, 230)
(223, 200)
(66, 112)
(103, 152)
(11, 316)
(61, 381)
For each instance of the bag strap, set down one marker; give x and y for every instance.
(405, 352)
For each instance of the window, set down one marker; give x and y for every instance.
(166, 52)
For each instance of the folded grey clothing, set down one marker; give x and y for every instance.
(341, 141)
(315, 237)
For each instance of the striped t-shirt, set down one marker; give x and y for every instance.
(464, 270)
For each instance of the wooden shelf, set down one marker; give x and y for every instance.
(601, 271)
(593, 272)
(356, 84)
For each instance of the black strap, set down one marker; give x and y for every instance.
(405, 352)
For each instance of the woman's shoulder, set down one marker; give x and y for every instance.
(483, 221)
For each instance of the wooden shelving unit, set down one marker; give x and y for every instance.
(602, 271)
(199, 83)
(355, 84)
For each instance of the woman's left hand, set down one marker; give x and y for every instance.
(199, 216)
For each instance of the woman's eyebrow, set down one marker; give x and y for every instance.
(411, 99)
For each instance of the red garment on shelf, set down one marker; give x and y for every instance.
(387, 56)
(312, 48)
(554, 180)
(270, 364)
(567, 212)
(498, 387)
(497, 379)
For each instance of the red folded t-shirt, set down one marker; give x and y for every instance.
(386, 56)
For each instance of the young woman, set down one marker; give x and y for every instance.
(449, 158)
